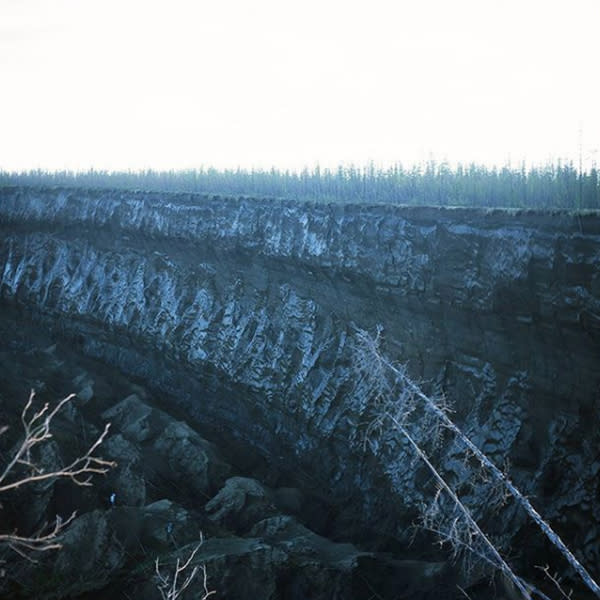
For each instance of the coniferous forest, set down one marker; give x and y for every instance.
(552, 186)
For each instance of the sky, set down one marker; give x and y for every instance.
(175, 84)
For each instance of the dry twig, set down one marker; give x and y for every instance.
(36, 432)
(172, 586)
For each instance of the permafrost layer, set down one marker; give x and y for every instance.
(244, 310)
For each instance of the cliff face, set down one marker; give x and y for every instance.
(244, 311)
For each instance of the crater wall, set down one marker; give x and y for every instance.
(244, 310)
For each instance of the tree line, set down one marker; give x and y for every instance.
(554, 185)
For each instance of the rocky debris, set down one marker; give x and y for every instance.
(86, 393)
(169, 489)
(91, 555)
(166, 524)
(127, 482)
(173, 452)
(285, 532)
(279, 558)
(132, 417)
(241, 503)
(101, 547)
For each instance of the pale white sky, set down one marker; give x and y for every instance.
(117, 84)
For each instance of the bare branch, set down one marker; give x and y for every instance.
(46, 538)
(169, 585)
(555, 579)
(36, 432)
